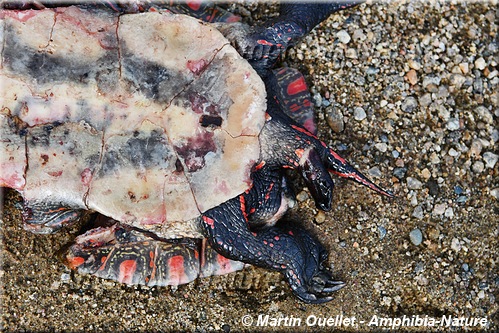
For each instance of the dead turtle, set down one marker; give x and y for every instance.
(154, 120)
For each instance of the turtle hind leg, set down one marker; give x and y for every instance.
(46, 217)
(131, 256)
(291, 251)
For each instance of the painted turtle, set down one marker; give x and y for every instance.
(154, 120)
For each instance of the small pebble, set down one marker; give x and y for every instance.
(452, 124)
(359, 114)
(453, 152)
(399, 172)
(416, 237)
(343, 36)
(381, 146)
(455, 244)
(483, 286)
(413, 183)
(320, 217)
(334, 119)
(381, 232)
(374, 172)
(458, 189)
(478, 167)
(302, 196)
(433, 188)
(409, 104)
(412, 77)
(418, 212)
(490, 159)
(439, 209)
(480, 63)
(419, 267)
(395, 154)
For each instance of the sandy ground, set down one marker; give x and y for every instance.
(415, 88)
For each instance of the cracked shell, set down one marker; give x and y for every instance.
(146, 118)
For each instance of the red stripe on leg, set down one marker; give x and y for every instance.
(297, 86)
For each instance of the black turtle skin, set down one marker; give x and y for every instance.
(243, 228)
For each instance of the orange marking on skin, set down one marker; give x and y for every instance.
(74, 262)
(252, 210)
(297, 86)
(260, 165)
(151, 259)
(103, 263)
(126, 271)
(291, 233)
(267, 196)
(209, 221)
(299, 152)
(268, 117)
(264, 42)
(276, 238)
(176, 269)
(242, 202)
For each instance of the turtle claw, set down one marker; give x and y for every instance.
(340, 167)
(317, 288)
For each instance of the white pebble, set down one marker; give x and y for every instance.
(480, 63)
(343, 36)
(490, 159)
(359, 113)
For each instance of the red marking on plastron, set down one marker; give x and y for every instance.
(196, 66)
(19, 15)
(55, 173)
(126, 271)
(86, 176)
(297, 86)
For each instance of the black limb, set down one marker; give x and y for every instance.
(263, 44)
(269, 197)
(290, 250)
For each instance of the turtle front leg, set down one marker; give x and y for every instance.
(290, 250)
(262, 45)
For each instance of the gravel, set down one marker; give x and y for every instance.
(421, 74)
